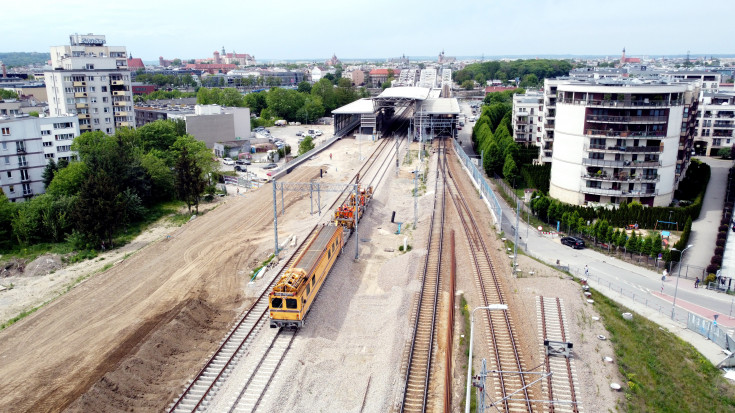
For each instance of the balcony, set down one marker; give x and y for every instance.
(80, 84)
(119, 124)
(22, 164)
(20, 150)
(548, 126)
(25, 178)
(619, 192)
(80, 94)
(82, 105)
(121, 113)
(724, 125)
(623, 177)
(625, 149)
(85, 127)
(625, 134)
(622, 103)
(117, 83)
(121, 103)
(83, 116)
(27, 192)
(627, 119)
(118, 93)
(619, 164)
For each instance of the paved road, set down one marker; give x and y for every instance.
(646, 286)
(704, 229)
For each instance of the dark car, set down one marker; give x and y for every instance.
(242, 162)
(241, 168)
(573, 242)
(270, 166)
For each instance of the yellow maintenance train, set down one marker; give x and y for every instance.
(295, 292)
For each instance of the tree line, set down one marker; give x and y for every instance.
(162, 80)
(531, 72)
(116, 181)
(306, 104)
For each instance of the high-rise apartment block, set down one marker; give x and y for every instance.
(26, 145)
(615, 140)
(91, 81)
(716, 123)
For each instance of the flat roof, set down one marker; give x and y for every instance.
(361, 106)
(405, 92)
(438, 106)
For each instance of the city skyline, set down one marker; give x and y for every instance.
(290, 30)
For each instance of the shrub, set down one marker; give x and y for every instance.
(719, 250)
(720, 242)
(716, 259)
(722, 235)
(711, 277)
(722, 228)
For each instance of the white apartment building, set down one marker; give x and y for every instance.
(91, 81)
(617, 140)
(527, 117)
(715, 123)
(710, 80)
(26, 144)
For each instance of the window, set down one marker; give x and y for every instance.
(104, 99)
(6, 131)
(23, 174)
(7, 160)
(106, 110)
(103, 78)
(291, 303)
(276, 302)
(64, 125)
(45, 132)
(48, 155)
(68, 90)
(95, 110)
(96, 121)
(5, 146)
(91, 78)
(93, 100)
(10, 174)
(104, 88)
(64, 136)
(92, 89)
(11, 188)
(107, 120)
(63, 148)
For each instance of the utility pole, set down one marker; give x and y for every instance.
(415, 198)
(275, 217)
(515, 244)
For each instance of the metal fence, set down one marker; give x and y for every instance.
(480, 181)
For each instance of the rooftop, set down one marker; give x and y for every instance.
(439, 106)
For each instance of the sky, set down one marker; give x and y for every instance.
(314, 30)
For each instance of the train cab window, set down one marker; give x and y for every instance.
(312, 281)
(291, 303)
(329, 253)
(276, 302)
(308, 289)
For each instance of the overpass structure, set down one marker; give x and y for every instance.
(432, 115)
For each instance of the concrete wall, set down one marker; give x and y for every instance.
(211, 128)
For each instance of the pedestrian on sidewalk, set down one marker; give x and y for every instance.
(586, 271)
(696, 283)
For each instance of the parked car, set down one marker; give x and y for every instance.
(241, 168)
(228, 161)
(574, 242)
(271, 166)
(242, 162)
(299, 133)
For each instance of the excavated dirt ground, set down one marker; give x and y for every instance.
(128, 339)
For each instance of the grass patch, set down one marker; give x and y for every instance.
(464, 347)
(663, 372)
(263, 264)
(407, 249)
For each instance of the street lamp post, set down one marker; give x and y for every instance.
(469, 362)
(681, 258)
(528, 221)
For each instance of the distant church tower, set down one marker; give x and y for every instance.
(622, 58)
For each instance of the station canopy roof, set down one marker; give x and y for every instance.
(359, 107)
(408, 92)
(438, 106)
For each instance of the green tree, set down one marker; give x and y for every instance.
(159, 135)
(176, 62)
(306, 145)
(98, 212)
(256, 102)
(510, 170)
(190, 183)
(285, 103)
(33, 113)
(311, 110)
(48, 172)
(324, 89)
(725, 152)
(161, 177)
(8, 94)
(468, 84)
(7, 212)
(529, 80)
(68, 181)
(304, 87)
(231, 97)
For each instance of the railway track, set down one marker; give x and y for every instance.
(262, 371)
(512, 393)
(422, 349)
(559, 387)
(199, 392)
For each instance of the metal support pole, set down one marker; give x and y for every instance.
(515, 244)
(415, 198)
(319, 198)
(676, 290)
(311, 199)
(275, 217)
(469, 361)
(283, 205)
